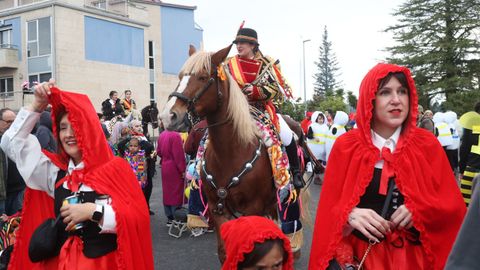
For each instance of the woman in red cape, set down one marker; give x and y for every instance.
(102, 173)
(420, 232)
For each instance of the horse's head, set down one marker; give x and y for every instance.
(153, 114)
(198, 92)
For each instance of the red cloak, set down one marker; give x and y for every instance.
(105, 174)
(423, 176)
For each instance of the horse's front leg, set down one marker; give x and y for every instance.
(219, 220)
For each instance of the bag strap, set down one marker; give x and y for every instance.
(386, 205)
(388, 199)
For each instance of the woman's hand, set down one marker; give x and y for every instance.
(402, 218)
(369, 223)
(75, 213)
(41, 94)
(248, 89)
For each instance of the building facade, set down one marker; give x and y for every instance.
(93, 47)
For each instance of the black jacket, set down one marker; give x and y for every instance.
(109, 112)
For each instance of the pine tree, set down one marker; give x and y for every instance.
(326, 77)
(438, 40)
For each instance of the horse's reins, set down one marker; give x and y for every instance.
(192, 115)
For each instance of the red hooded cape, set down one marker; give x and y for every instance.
(240, 236)
(105, 174)
(422, 171)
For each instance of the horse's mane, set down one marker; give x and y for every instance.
(238, 109)
(199, 62)
(134, 114)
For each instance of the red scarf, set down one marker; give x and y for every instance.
(422, 173)
(103, 172)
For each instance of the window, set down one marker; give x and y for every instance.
(151, 59)
(151, 67)
(102, 4)
(39, 37)
(5, 37)
(6, 87)
(152, 91)
(42, 77)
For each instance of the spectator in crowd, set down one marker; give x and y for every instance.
(128, 104)
(12, 186)
(44, 133)
(111, 107)
(172, 160)
(423, 121)
(306, 122)
(136, 158)
(469, 165)
(464, 253)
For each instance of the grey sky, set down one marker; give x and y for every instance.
(355, 29)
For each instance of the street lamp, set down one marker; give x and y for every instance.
(304, 80)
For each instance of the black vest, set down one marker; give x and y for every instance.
(375, 201)
(94, 244)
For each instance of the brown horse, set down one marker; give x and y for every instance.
(236, 168)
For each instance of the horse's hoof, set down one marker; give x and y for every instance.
(297, 254)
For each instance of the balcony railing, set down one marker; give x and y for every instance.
(119, 7)
(8, 56)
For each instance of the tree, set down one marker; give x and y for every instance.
(334, 103)
(438, 41)
(294, 110)
(352, 100)
(326, 77)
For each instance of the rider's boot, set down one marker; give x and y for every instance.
(292, 154)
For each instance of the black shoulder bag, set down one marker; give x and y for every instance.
(49, 237)
(46, 240)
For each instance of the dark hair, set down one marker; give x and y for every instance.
(259, 251)
(320, 115)
(2, 111)
(400, 76)
(58, 117)
(112, 93)
(128, 90)
(477, 107)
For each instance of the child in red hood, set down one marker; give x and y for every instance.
(254, 242)
(306, 122)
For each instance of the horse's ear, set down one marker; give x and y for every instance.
(191, 50)
(220, 56)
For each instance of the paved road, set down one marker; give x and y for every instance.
(200, 253)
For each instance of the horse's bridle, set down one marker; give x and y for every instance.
(192, 114)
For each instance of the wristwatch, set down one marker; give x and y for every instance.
(98, 214)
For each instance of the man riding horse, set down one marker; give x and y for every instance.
(261, 81)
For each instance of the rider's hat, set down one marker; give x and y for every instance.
(246, 35)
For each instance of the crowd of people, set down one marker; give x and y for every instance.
(396, 188)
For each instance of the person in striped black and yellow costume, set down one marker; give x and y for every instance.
(470, 151)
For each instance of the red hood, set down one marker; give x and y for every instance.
(422, 174)
(84, 120)
(368, 89)
(103, 173)
(240, 236)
